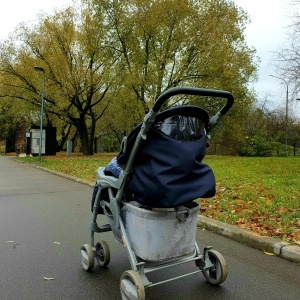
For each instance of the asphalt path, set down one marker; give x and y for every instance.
(44, 220)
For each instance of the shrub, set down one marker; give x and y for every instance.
(258, 145)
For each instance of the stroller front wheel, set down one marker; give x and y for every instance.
(218, 272)
(102, 253)
(131, 286)
(87, 257)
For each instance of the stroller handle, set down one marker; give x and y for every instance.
(197, 92)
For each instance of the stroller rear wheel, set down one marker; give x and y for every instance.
(102, 254)
(131, 286)
(87, 257)
(218, 272)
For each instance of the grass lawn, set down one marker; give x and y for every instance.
(262, 194)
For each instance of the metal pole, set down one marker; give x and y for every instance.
(286, 112)
(295, 148)
(286, 118)
(40, 69)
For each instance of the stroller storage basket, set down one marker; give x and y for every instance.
(161, 234)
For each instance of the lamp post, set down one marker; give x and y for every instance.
(40, 69)
(286, 112)
(298, 99)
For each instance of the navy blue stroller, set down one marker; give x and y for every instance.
(147, 195)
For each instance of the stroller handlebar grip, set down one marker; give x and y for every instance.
(196, 92)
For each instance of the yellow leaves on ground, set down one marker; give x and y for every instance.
(269, 253)
(268, 201)
(253, 194)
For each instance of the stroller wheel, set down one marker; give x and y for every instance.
(87, 257)
(102, 253)
(218, 272)
(131, 286)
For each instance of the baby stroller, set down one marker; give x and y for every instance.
(149, 202)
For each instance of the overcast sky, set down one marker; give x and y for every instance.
(12, 12)
(267, 33)
(269, 19)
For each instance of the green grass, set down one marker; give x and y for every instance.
(75, 165)
(261, 194)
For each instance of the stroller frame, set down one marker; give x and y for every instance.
(133, 282)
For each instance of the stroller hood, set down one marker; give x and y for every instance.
(188, 111)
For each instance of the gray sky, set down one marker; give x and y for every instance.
(269, 19)
(267, 33)
(12, 12)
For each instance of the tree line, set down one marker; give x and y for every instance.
(107, 61)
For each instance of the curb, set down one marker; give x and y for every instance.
(267, 244)
(250, 238)
(79, 180)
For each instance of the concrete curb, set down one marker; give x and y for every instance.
(279, 248)
(80, 180)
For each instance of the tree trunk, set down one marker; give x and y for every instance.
(84, 138)
(64, 138)
(95, 145)
(92, 134)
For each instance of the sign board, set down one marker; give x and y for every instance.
(35, 141)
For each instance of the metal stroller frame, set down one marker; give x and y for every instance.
(133, 282)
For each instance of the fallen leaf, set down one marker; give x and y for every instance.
(269, 253)
(48, 278)
(297, 242)
(268, 201)
(124, 241)
(16, 245)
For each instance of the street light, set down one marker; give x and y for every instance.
(298, 99)
(40, 69)
(286, 112)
